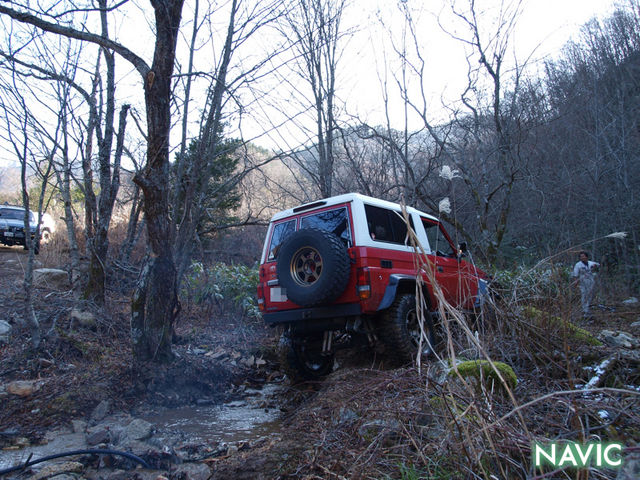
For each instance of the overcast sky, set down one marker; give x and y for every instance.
(543, 27)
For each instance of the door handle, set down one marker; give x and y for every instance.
(440, 269)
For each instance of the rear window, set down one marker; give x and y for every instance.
(281, 232)
(335, 221)
(386, 225)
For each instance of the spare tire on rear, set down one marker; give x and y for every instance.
(313, 266)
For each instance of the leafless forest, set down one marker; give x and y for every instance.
(135, 140)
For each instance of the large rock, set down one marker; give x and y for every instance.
(58, 470)
(23, 388)
(483, 370)
(192, 471)
(5, 330)
(138, 429)
(619, 339)
(51, 278)
(98, 437)
(83, 318)
(100, 412)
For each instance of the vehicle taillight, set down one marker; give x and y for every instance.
(364, 283)
(260, 297)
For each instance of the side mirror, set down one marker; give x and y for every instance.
(462, 247)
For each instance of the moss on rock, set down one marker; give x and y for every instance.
(483, 370)
(575, 332)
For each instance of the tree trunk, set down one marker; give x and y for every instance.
(63, 175)
(155, 302)
(132, 226)
(153, 310)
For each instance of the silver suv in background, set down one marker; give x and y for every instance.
(12, 226)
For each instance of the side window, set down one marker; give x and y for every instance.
(334, 221)
(437, 241)
(280, 233)
(386, 225)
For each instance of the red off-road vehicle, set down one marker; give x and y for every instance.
(343, 268)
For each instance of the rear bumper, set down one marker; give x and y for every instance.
(312, 313)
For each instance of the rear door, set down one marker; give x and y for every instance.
(335, 219)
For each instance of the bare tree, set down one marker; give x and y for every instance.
(34, 148)
(481, 141)
(134, 223)
(154, 304)
(200, 194)
(317, 35)
(99, 211)
(62, 80)
(583, 180)
(100, 123)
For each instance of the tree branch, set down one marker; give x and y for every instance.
(139, 64)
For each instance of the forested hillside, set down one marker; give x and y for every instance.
(162, 137)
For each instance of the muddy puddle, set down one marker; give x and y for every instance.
(55, 444)
(256, 414)
(253, 415)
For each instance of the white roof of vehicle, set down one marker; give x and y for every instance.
(345, 198)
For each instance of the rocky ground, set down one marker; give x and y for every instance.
(80, 391)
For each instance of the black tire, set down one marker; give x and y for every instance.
(400, 330)
(302, 359)
(313, 266)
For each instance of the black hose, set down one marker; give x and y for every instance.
(96, 451)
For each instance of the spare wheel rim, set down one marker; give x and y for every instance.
(306, 266)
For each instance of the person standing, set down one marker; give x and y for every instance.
(584, 274)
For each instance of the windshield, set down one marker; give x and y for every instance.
(13, 214)
(437, 241)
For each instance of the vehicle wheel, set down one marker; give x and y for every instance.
(302, 359)
(400, 330)
(313, 266)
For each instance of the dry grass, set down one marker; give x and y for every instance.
(428, 423)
